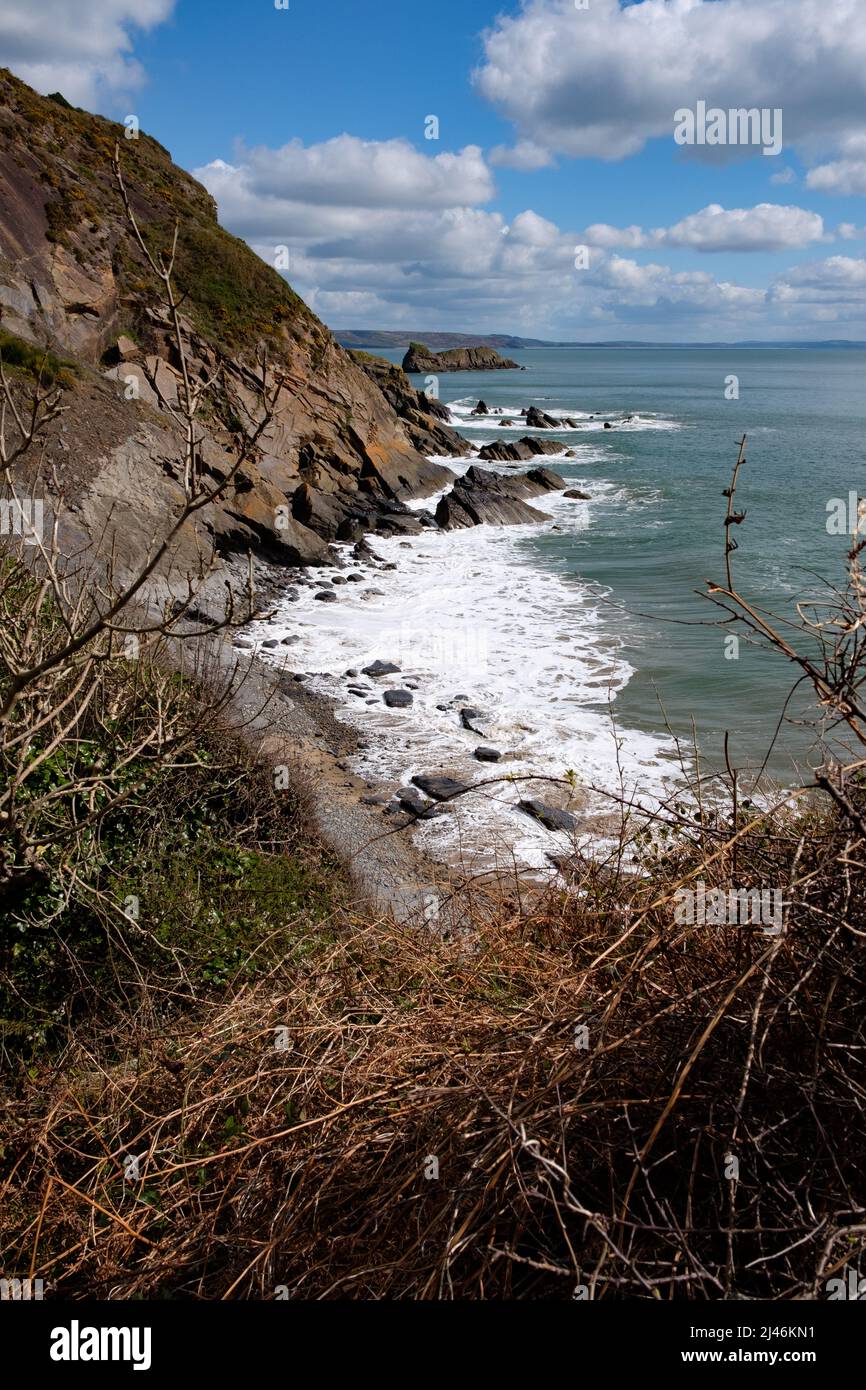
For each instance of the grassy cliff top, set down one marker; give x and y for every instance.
(233, 298)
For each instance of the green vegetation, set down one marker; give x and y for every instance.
(139, 857)
(231, 296)
(35, 363)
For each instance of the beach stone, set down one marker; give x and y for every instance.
(488, 755)
(577, 494)
(355, 578)
(469, 719)
(380, 668)
(398, 699)
(338, 579)
(412, 801)
(440, 787)
(352, 671)
(271, 642)
(608, 425)
(549, 816)
(326, 596)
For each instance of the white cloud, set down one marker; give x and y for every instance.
(602, 81)
(784, 176)
(368, 173)
(371, 245)
(844, 175)
(525, 155)
(765, 227)
(81, 49)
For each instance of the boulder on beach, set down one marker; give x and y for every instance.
(550, 816)
(380, 668)
(577, 494)
(470, 719)
(326, 596)
(398, 699)
(438, 786)
(487, 755)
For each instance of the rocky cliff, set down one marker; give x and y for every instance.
(344, 448)
(419, 358)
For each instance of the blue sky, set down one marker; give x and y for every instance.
(556, 131)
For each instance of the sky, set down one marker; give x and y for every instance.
(533, 168)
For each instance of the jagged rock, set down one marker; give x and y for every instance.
(481, 497)
(481, 409)
(550, 816)
(380, 668)
(426, 420)
(577, 494)
(440, 787)
(125, 349)
(518, 450)
(72, 277)
(419, 359)
(537, 420)
(469, 718)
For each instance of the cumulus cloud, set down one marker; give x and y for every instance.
(765, 227)
(371, 243)
(81, 49)
(844, 175)
(525, 155)
(603, 81)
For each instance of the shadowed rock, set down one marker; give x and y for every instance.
(550, 816)
(440, 787)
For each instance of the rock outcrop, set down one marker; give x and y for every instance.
(344, 448)
(425, 419)
(484, 498)
(420, 359)
(518, 450)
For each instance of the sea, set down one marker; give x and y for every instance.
(585, 643)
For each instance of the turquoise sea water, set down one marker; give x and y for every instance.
(655, 529)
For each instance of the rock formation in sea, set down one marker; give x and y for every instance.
(420, 359)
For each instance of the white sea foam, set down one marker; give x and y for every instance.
(463, 418)
(472, 621)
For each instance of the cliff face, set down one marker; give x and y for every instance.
(72, 278)
(419, 358)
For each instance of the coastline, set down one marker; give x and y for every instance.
(506, 679)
